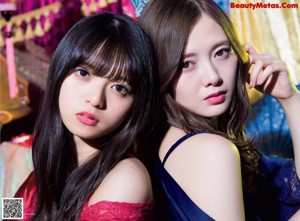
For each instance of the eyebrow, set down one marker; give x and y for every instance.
(216, 45)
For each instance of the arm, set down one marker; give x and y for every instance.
(291, 107)
(207, 167)
(270, 75)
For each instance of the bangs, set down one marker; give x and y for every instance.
(110, 60)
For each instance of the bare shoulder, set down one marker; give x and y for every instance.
(207, 167)
(212, 145)
(128, 181)
(213, 158)
(206, 148)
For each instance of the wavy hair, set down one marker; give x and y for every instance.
(169, 23)
(109, 43)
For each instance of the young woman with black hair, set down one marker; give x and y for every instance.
(98, 107)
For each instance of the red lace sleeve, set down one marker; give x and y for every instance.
(107, 211)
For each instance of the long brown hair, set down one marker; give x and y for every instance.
(169, 23)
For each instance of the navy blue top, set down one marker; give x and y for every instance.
(277, 197)
(180, 206)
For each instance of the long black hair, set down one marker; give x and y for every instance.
(113, 44)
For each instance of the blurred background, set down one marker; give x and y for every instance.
(30, 30)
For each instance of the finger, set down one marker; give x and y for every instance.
(258, 56)
(267, 59)
(250, 49)
(254, 73)
(271, 64)
(265, 74)
(270, 70)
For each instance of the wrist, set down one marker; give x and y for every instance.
(292, 101)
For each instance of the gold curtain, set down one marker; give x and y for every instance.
(94, 5)
(27, 18)
(270, 30)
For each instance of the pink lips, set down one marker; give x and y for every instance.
(216, 98)
(87, 118)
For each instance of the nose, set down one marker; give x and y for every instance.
(96, 97)
(211, 75)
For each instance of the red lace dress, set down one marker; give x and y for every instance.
(103, 210)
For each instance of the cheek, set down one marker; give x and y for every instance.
(117, 116)
(61, 99)
(185, 89)
(65, 90)
(122, 110)
(232, 69)
(66, 97)
(62, 105)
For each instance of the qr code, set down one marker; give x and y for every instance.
(12, 208)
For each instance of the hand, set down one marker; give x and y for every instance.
(269, 75)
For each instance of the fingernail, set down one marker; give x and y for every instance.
(259, 82)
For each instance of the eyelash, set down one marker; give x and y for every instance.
(79, 73)
(226, 50)
(184, 63)
(217, 54)
(124, 89)
(121, 89)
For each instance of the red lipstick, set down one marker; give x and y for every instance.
(87, 118)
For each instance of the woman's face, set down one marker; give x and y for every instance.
(92, 106)
(208, 77)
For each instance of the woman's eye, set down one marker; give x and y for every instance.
(82, 73)
(223, 52)
(186, 64)
(121, 89)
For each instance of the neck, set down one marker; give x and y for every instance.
(85, 149)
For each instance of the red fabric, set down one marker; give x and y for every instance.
(103, 210)
(107, 210)
(27, 192)
(128, 8)
(24, 140)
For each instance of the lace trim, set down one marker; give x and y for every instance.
(107, 210)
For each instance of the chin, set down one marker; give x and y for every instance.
(215, 112)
